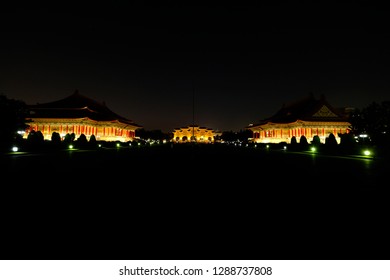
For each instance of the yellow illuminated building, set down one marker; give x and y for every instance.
(194, 133)
(79, 115)
(307, 117)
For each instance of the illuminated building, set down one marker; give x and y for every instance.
(79, 115)
(307, 117)
(194, 133)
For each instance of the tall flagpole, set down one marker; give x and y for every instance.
(193, 112)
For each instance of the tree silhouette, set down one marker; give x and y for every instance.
(153, 134)
(331, 142)
(35, 139)
(56, 139)
(229, 136)
(316, 140)
(12, 118)
(69, 138)
(294, 140)
(347, 142)
(294, 143)
(92, 141)
(303, 144)
(373, 120)
(242, 135)
(82, 141)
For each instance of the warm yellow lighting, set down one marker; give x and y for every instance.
(313, 149)
(70, 146)
(194, 133)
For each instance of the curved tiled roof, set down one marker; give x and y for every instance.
(192, 126)
(77, 106)
(306, 109)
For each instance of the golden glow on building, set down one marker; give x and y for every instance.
(194, 133)
(79, 115)
(308, 118)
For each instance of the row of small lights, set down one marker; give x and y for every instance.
(71, 147)
(366, 152)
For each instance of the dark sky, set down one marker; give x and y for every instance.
(234, 64)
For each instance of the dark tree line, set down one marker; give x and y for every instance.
(373, 121)
(231, 136)
(153, 134)
(13, 115)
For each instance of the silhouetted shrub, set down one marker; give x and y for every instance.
(331, 140)
(35, 140)
(316, 140)
(303, 144)
(56, 138)
(82, 141)
(331, 143)
(294, 144)
(293, 140)
(68, 139)
(347, 143)
(92, 141)
(279, 146)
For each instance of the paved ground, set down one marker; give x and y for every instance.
(193, 202)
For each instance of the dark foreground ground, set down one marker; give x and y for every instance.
(193, 202)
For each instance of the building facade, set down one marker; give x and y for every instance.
(194, 133)
(308, 117)
(79, 114)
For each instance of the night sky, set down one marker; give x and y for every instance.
(227, 65)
